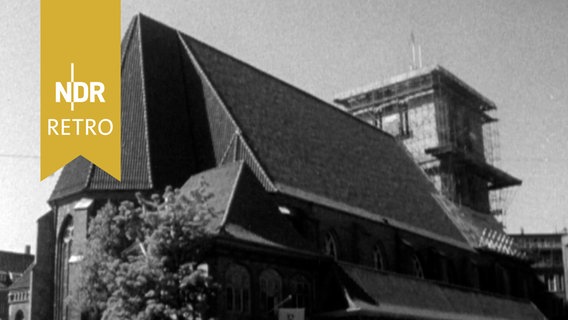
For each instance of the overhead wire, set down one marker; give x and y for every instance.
(18, 156)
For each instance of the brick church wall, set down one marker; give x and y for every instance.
(42, 276)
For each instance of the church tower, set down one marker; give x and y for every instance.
(446, 125)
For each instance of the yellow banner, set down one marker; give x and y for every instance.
(80, 84)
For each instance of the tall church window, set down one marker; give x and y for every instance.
(270, 290)
(64, 251)
(379, 257)
(330, 245)
(300, 288)
(417, 269)
(237, 289)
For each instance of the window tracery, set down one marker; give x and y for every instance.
(238, 289)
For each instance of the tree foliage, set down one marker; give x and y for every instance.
(143, 261)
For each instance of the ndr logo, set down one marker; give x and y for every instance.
(77, 91)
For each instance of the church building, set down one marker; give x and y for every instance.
(318, 211)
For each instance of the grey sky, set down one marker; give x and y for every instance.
(513, 52)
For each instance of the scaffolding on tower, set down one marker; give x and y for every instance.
(449, 129)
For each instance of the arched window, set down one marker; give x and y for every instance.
(330, 245)
(19, 315)
(64, 247)
(379, 257)
(238, 289)
(270, 290)
(300, 289)
(417, 269)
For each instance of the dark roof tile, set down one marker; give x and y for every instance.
(23, 282)
(310, 145)
(15, 262)
(406, 297)
(136, 173)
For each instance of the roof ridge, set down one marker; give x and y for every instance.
(128, 35)
(196, 61)
(243, 140)
(233, 192)
(232, 143)
(309, 95)
(239, 131)
(145, 103)
(15, 253)
(89, 177)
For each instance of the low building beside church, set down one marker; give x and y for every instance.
(12, 267)
(19, 296)
(548, 253)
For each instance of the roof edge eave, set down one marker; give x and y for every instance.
(364, 214)
(225, 239)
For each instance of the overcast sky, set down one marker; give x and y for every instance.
(513, 52)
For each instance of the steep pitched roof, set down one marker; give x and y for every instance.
(155, 125)
(188, 107)
(242, 209)
(15, 262)
(306, 144)
(391, 295)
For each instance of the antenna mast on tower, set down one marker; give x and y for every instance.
(416, 56)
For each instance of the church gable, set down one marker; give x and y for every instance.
(242, 209)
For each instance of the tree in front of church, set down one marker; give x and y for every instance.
(145, 261)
